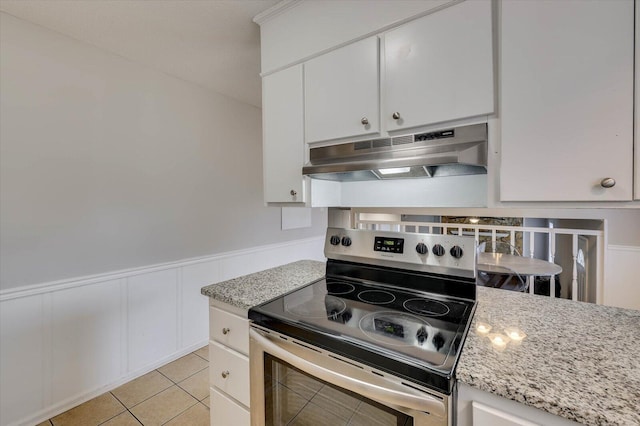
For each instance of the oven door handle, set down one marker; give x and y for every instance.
(406, 398)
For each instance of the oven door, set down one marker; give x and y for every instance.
(293, 383)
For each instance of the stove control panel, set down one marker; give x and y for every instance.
(444, 254)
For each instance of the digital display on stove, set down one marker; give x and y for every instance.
(388, 244)
(388, 327)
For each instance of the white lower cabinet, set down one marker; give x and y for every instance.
(225, 411)
(484, 415)
(229, 366)
(479, 408)
(230, 372)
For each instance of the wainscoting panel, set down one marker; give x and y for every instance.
(65, 342)
(85, 328)
(621, 285)
(22, 358)
(152, 313)
(195, 318)
(248, 262)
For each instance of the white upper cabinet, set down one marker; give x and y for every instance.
(283, 136)
(567, 100)
(341, 92)
(439, 68)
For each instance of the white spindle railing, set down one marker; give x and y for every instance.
(500, 231)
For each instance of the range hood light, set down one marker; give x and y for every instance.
(394, 170)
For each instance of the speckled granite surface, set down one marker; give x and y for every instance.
(579, 361)
(254, 289)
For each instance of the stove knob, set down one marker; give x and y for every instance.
(438, 250)
(438, 341)
(422, 248)
(335, 240)
(456, 252)
(422, 335)
(346, 241)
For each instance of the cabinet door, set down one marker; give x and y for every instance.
(566, 100)
(439, 67)
(225, 411)
(341, 92)
(282, 141)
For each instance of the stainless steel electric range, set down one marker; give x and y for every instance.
(377, 339)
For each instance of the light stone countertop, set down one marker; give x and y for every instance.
(579, 360)
(253, 289)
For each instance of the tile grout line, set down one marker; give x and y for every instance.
(353, 413)
(134, 416)
(181, 412)
(116, 415)
(177, 383)
(146, 399)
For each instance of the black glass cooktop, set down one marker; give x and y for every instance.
(414, 334)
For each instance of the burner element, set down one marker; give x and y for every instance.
(427, 307)
(339, 287)
(376, 297)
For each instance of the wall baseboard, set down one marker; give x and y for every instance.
(65, 342)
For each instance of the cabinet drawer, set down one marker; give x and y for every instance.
(229, 372)
(230, 330)
(225, 411)
(484, 415)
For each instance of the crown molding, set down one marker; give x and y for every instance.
(275, 10)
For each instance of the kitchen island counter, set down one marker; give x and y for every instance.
(578, 360)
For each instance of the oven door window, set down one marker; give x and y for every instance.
(293, 397)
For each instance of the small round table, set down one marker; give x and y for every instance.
(500, 263)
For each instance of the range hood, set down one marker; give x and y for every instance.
(451, 152)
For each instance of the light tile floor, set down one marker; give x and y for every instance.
(174, 394)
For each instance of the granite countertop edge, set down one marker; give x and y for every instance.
(254, 289)
(566, 365)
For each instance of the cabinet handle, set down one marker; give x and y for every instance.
(608, 183)
(293, 193)
(226, 330)
(364, 121)
(396, 115)
(225, 374)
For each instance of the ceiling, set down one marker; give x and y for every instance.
(212, 43)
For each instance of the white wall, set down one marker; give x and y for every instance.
(123, 191)
(107, 165)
